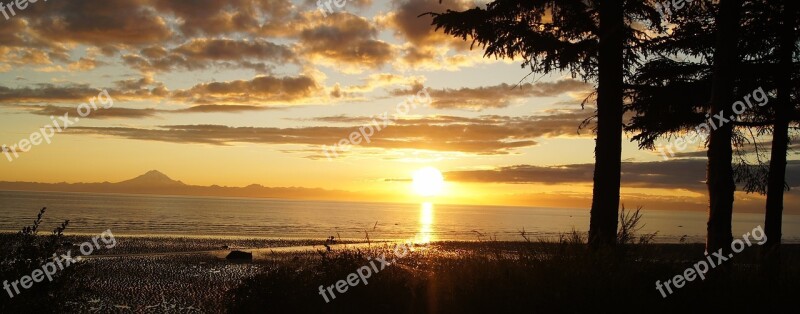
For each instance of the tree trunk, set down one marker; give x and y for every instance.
(780, 141)
(720, 180)
(608, 150)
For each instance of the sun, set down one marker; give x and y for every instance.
(427, 181)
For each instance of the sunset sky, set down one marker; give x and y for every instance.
(246, 92)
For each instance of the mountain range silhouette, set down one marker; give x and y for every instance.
(156, 182)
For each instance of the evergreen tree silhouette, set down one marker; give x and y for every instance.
(600, 41)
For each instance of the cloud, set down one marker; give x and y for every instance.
(222, 109)
(345, 39)
(163, 36)
(14, 34)
(136, 113)
(498, 96)
(143, 33)
(113, 112)
(5, 149)
(17, 33)
(436, 138)
(361, 4)
(228, 49)
(375, 81)
(487, 135)
(202, 53)
(218, 17)
(259, 90)
(77, 93)
(674, 174)
(136, 84)
(407, 23)
(18, 56)
(85, 64)
(49, 33)
(125, 22)
(46, 92)
(764, 147)
(425, 48)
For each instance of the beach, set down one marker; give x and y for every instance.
(191, 275)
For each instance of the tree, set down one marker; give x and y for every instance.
(670, 93)
(595, 40)
(608, 150)
(720, 180)
(784, 109)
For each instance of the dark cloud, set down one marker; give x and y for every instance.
(125, 22)
(218, 17)
(144, 33)
(498, 96)
(674, 174)
(487, 135)
(134, 113)
(76, 93)
(222, 108)
(481, 140)
(17, 33)
(415, 55)
(5, 149)
(124, 26)
(106, 113)
(240, 94)
(354, 3)
(136, 84)
(13, 34)
(407, 23)
(257, 91)
(764, 147)
(345, 38)
(427, 48)
(47, 33)
(202, 53)
(46, 93)
(228, 49)
(558, 124)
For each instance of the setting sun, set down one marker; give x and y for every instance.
(427, 181)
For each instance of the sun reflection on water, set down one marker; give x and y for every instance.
(425, 234)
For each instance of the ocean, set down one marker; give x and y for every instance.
(151, 215)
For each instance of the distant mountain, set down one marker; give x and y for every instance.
(155, 182)
(152, 178)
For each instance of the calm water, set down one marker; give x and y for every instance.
(242, 217)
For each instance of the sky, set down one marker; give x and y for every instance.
(246, 92)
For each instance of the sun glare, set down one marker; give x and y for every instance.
(427, 181)
(425, 234)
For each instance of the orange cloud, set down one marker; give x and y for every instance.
(498, 96)
(487, 135)
(261, 89)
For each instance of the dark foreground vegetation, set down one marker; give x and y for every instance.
(496, 277)
(448, 277)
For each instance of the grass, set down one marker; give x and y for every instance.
(503, 277)
(526, 276)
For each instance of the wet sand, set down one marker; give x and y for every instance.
(191, 275)
(188, 275)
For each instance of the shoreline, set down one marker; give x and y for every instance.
(300, 240)
(193, 275)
